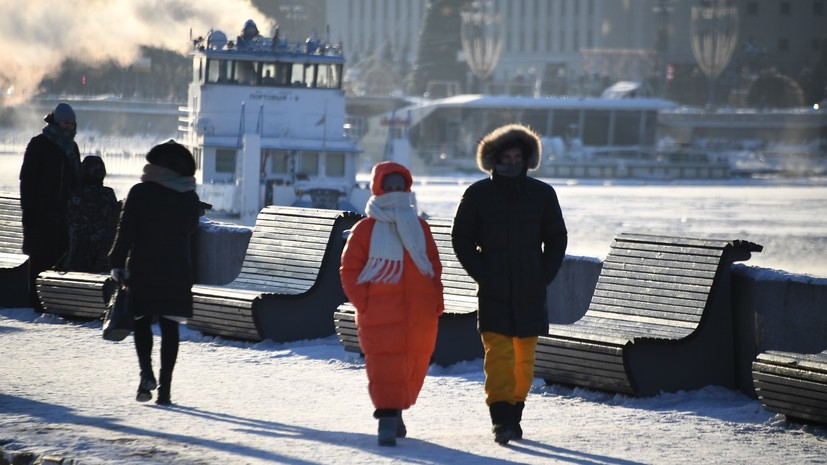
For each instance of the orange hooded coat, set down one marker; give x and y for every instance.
(397, 323)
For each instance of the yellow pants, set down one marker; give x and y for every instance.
(509, 367)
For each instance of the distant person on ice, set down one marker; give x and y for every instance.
(510, 237)
(93, 214)
(49, 172)
(159, 217)
(392, 274)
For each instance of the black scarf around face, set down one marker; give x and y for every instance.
(64, 138)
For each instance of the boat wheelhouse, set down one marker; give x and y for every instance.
(265, 120)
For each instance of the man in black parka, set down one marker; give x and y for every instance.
(50, 171)
(509, 235)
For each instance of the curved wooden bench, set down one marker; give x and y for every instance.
(14, 264)
(288, 287)
(660, 319)
(73, 294)
(792, 384)
(457, 339)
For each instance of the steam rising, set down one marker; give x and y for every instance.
(37, 35)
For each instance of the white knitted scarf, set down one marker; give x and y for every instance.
(397, 227)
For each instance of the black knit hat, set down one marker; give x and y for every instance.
(92, 170)
(174, 156)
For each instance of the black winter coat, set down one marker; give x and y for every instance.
(155, 233)
(509, 235)
(47, 177)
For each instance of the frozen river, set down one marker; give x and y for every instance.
(787, 217)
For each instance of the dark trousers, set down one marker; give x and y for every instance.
(169, 348)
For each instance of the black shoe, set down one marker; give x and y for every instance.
(144, 395)
(502, 434)
(387, 431)
(148, 382)
(502, 420)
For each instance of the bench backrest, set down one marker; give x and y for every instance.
(660, 286)
(288, 247)
(457, 284)
(11, 224)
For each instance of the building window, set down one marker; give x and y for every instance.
(224, 161)
(752, 9)
(309, 165)
(783, 45)
(784, 9)
(278, 161)
(818, 8)
(334, 165)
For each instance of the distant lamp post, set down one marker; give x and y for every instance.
(714, 33)
(482, 39)
(662, 9)
(293, 13)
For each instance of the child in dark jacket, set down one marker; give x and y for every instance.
(93, 213)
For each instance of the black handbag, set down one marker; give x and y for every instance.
(119, 320)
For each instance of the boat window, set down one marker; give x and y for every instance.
(310, 76)
(278, 161)
(247, 72)
(275, 74)
(328, 76)
(297, 73)
(196, 153)
(198, 70)
(224, 161)
(334, 166)
(309, 164)
(220, 71)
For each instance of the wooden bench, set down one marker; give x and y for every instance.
(288, 286)
(73, 294)
(14, 264)
(457, 339)
(792, 384)
(660, 319)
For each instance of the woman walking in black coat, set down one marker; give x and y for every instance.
(159, 217)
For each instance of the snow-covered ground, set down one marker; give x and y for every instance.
(66, 392)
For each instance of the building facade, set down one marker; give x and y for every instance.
(580, 46)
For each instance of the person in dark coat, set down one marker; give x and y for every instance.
(159, 217)
(509, 235)
(93, 214)
(49, 172)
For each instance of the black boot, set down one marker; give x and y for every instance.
(143, 346)
(502, 421)
(169, 355)
(388, 426)
(401, 430)
(146, 386)
(517, 432)
(164, 388)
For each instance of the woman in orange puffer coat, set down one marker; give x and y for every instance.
(391, 273)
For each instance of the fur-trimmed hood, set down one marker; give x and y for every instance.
(506, 137)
